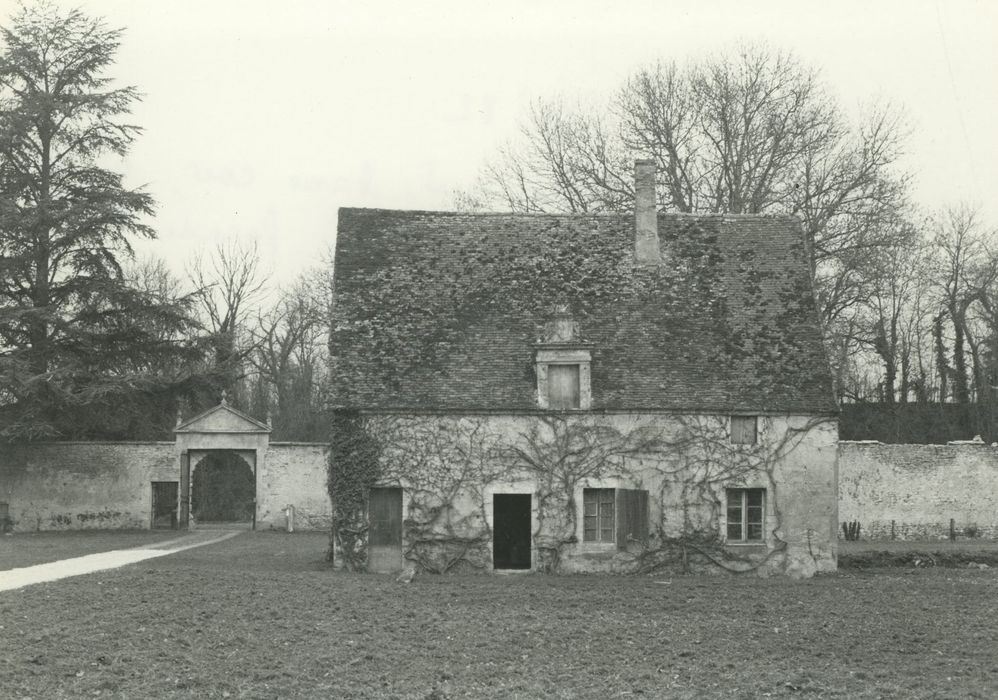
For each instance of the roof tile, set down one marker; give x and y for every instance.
(440, 311)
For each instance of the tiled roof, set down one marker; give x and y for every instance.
(441, 311)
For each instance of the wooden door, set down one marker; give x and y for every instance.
(164, 505)
(511, 540)
(384, 534)
(185, 490)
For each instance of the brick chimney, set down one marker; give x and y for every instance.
(646, 248)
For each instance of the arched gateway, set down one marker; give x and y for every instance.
(221, 452)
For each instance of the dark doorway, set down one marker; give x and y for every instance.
(164, 504)
(384, 535)
(223, 490)
(511, 531)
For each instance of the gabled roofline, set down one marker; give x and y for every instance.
(662, 214)
(263, 427)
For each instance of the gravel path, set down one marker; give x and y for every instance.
(64, 568)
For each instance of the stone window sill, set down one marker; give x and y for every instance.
(748, 546)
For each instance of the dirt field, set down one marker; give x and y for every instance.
(262, 616)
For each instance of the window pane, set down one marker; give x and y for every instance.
(734, 505)
(746, 514)
(563, 386)
(597, 519)
(734, 513)
(755, 514)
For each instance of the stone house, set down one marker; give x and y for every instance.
(583, 392)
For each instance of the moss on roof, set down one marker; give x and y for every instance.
(441, 311)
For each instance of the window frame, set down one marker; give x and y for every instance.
(600, 502)
(626, 510)
(548, 356)
(739, 498)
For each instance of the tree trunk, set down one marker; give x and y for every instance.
(941, 366)
(961, 390)
(905, 376)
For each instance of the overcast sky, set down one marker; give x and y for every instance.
(262, 117)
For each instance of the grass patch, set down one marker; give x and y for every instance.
(262, 616)
(881, 554)
(30, 548)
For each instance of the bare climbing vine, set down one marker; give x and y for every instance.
(559, 454)
(693, 475)
(448, 464)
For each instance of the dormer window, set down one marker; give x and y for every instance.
(562, 363)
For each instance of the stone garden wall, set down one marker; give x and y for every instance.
(912, 492)
(84, 485)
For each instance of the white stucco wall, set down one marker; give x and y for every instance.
(685, 497)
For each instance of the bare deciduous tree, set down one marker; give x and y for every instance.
(754, 131)
(966, 276)
(289, 356)
(228, 285)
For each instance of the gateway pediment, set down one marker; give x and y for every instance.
(222, 419)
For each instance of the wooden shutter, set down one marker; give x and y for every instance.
(743, 430)
(563, 386)
(632, 516)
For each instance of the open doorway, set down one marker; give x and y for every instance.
(511, 531)
(223, 490)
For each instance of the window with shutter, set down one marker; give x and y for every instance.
(744, 430)
(563, 386)
(746, 515)
(614, 516)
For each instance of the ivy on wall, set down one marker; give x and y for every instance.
(354, 466)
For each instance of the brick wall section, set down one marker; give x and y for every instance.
(83, 485)
(920, 488)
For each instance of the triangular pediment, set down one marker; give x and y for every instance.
(222, 419)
